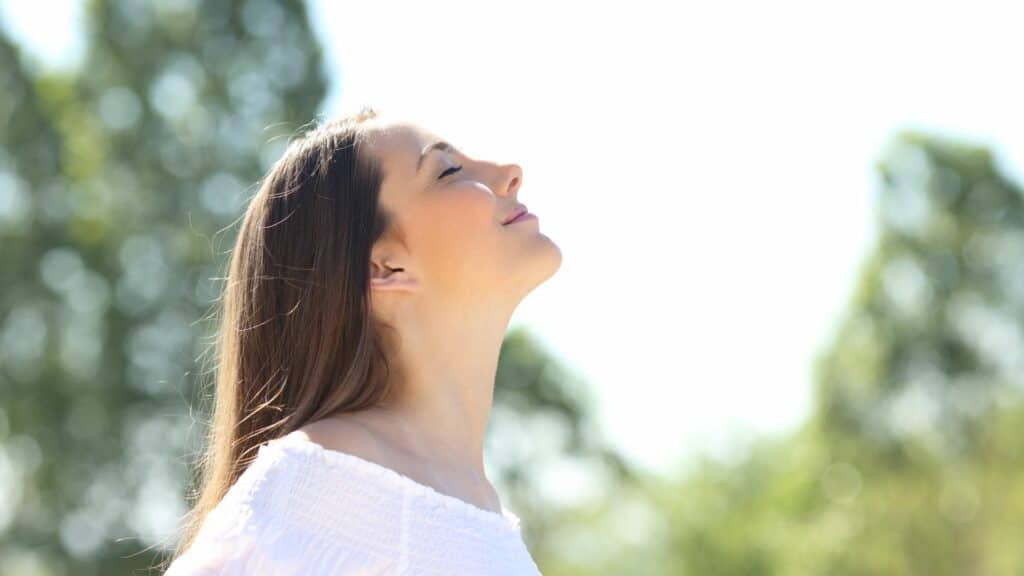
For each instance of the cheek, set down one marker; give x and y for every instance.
(454, 230)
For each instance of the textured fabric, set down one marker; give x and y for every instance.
(300, 508)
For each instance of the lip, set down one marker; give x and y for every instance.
(516, 214)
(522, 217)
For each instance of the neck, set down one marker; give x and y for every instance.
(445, 371)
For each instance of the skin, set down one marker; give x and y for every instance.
(449, 280)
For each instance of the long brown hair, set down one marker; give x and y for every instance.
(296, 340)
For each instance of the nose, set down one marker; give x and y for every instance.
(512, 178)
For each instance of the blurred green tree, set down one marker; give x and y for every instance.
(924, 377)
(120, 171)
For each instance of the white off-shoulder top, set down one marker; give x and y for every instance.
(300, 508)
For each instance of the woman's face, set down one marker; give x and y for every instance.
(449, 210)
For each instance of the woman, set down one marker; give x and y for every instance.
(368, 293)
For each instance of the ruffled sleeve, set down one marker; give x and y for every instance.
(269, 548)
(248, 534)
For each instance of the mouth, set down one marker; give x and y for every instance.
(522, 218)
(517, 215)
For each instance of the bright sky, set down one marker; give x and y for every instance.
(706, 170)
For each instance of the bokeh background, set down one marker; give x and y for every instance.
(787, 336)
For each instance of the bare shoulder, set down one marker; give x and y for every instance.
(365, 435)
(344, 433)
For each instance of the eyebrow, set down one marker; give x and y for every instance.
(439, 145)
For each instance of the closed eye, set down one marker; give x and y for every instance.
(451, 170)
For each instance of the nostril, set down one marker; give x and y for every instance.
(513, 183)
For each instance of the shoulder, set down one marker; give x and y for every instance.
(367, 436)
(263, 530)
(344, 434)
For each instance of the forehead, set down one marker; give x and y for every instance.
(397, 146)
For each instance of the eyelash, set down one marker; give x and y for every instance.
(453, 169)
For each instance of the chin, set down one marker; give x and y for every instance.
(545, 262)
(556, 256)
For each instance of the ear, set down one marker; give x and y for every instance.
(395, 280)
(390, 276)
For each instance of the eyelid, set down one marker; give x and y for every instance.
(453, 170)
